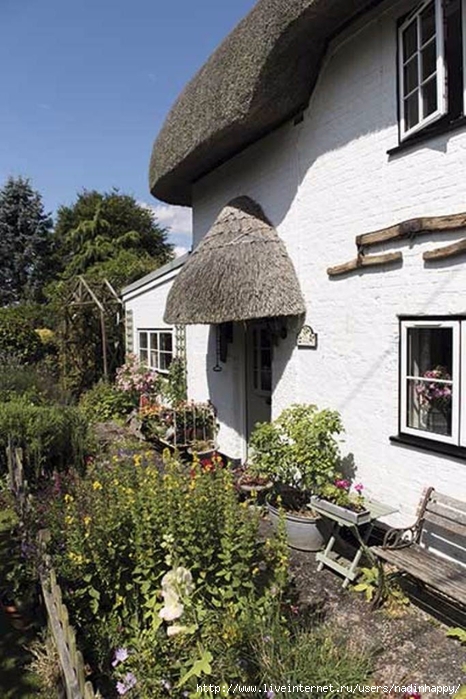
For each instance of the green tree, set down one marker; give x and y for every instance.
(109, 235)
(25, 242)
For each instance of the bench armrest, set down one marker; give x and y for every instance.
(401, 538)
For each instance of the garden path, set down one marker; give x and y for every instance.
(408, 644)
(15, 681)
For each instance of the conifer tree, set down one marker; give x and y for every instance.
(25, 242)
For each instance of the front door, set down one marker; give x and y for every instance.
(258, 375)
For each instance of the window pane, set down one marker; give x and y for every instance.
(153, 359)
(143, 340)
(153, 341)
(429, 60)
(430, 358)
(410, 40)
(429, 406)
(429, 97)
(166, 342)
(266, 379)
(165, 360)
(143, 356)
(410, 76)
(411, 105)
(429, 348)
(428, 22)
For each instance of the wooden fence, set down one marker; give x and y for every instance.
(75, 685)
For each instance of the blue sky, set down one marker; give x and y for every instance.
(85, 87)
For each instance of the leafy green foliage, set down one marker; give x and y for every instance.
(458, 633)
(18, 338)
(52, 437)
(25, 242)
(176, 389)
(105, 401)
(368, 582)
(299, 448)
(108, 235)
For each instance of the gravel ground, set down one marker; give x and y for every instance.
(409, 645)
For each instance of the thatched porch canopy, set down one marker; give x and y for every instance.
(239, 271)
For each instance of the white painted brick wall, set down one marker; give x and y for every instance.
(321, 183)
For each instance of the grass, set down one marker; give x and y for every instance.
(15, 681)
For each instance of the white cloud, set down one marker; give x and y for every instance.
(179, 250)
(178, 219)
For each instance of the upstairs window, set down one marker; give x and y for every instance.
(430, 70)
(422, 68)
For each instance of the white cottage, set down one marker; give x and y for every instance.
(148, 336)
(323, 149)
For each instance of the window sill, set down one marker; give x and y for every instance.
(427, 134)
(429, 445)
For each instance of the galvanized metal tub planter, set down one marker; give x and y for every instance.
(303, 531)
(343, 513)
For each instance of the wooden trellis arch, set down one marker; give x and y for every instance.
(103, 297)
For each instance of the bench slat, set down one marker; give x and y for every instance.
(446, 512)
(453, 503)
(448, 526)
(439, 573)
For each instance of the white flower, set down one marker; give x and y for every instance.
(172, 608)
(175, 629)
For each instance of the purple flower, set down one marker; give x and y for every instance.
(343, 483)
(270, 694)
(121, 654)
(359, 488)
(129, 681)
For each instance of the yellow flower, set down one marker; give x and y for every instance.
(68, 498)
(69, 519)
(87, 520)
(96, 485)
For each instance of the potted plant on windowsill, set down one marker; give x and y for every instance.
(435, 399)
(338, 499)
(300, 454)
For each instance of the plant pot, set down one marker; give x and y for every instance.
(259, 489)
(343, 513)
(202, 454)
(304, 533)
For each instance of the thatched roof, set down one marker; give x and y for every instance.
(239, 271)
(260, 76)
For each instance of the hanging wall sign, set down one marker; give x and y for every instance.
(307, 338)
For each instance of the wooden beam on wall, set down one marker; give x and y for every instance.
(412, 228)
(364, 261)
(453, 250)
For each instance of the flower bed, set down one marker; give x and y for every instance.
(164, 564)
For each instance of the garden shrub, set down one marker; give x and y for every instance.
(36, 383)
(163, 562)
(52, 437)
(18, 338)
(105, 401)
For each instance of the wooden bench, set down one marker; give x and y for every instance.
(422, 550)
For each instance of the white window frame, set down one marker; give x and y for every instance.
(149, 332)
(440, 70)
(458, 327)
